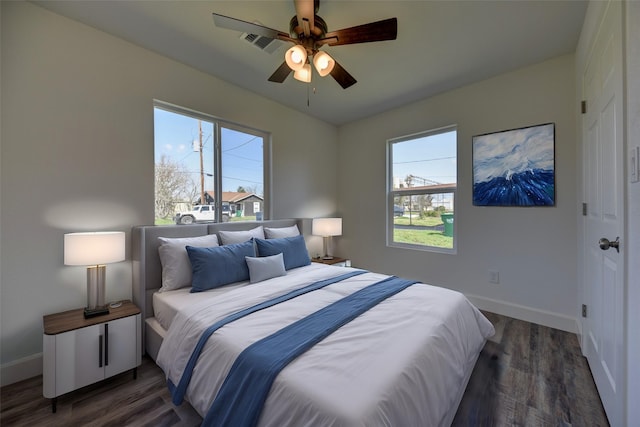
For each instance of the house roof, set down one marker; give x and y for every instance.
(234, 196)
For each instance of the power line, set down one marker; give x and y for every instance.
(425, 160)
(241, 145)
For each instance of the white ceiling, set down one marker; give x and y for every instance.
(441, 45)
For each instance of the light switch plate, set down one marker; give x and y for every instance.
(634, 164)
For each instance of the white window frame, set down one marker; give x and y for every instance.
(217, 130)
(428, 190)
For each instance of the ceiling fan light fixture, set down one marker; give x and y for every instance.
(303, 74)
(324, 63)
(296, 57)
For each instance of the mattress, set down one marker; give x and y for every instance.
(167, 304)
(403, 362)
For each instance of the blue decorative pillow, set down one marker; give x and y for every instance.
(219, 266)
(293, 249)
(265, 267)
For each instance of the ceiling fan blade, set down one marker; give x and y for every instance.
(281, 73)
(386, 29)
(341, 75)
(305, 11)
(229, 23)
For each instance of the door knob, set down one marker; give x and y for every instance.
(606, 244)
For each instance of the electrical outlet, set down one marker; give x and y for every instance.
(494, 277)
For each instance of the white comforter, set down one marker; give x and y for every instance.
(402, 363)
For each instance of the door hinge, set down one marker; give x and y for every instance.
(583, 107)
(584, 209)
(584, 310)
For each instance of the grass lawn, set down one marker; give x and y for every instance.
(423, 237)
(429, 221)
(432, 238)
(417, 237)
(164, 221)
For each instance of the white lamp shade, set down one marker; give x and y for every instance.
(324, 63)
(303, 74)
(94, 248)
(326, 227)
(296, 57)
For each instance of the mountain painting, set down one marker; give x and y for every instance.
(515, 167)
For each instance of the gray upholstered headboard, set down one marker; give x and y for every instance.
(147, 270)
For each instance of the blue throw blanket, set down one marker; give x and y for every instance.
(243, 393)
(179, 391)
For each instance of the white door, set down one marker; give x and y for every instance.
(207, 213)
(78, 357)
(121, 345)
(602, 126)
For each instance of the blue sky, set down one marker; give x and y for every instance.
(242, 153)
(432, 157)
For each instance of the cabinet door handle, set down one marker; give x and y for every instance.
(100, 352)
(106, 344)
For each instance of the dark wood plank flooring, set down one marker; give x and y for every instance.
(527, 375)
(530, 375)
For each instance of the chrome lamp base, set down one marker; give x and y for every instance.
(325, 244)
(96, 291)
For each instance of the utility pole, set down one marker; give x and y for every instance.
(202, 201)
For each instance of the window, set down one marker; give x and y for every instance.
(421, 190)
(198, 157)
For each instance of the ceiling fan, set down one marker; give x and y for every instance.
(309, 34)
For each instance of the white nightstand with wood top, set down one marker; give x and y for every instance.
(78, 351)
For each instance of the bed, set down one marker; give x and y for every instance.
(403, 361)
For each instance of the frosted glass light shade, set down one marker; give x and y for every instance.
(296, 57)
(303, 74)
(324, 63)
(326, 227)
(94, 248)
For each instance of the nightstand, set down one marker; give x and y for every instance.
(338, 262)
(78, 351)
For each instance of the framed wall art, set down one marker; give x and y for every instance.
(515, 167)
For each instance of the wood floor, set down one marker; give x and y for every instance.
(527, 375)
(530, 375)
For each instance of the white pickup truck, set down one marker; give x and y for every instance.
(201, 213)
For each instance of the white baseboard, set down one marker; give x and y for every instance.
(21, 369)
(528, 314)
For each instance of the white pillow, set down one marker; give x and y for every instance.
(230, 237)
(176, 267)
(266, 267)
(276, 233)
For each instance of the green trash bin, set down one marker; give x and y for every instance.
(447, 220)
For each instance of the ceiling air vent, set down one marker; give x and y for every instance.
(267, 44)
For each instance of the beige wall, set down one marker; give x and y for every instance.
(533, 249)
(77, 154)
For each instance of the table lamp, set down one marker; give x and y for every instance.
(94, 249)
(326, 227)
